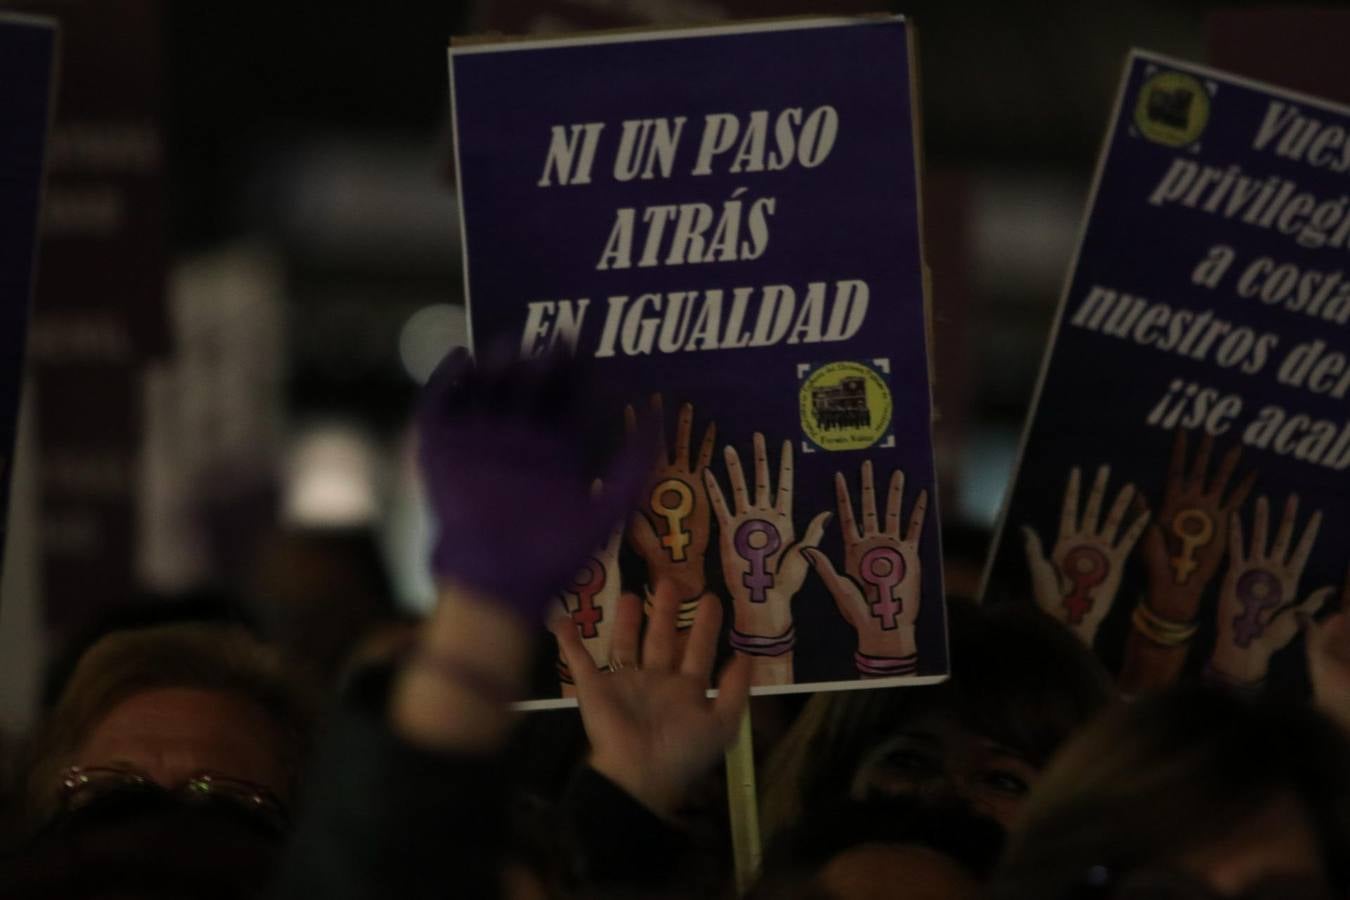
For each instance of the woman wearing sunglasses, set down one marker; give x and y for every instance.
(166, 768)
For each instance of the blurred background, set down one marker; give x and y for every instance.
(250, 261)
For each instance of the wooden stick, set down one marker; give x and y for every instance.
(743, 802)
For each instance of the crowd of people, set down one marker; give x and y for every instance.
(191, 759)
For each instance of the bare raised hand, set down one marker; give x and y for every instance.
(652, 727)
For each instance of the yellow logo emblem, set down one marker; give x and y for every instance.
(1172, 109)
(845, 405)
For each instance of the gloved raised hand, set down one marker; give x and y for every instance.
(508, 464)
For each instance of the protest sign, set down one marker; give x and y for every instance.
(1181, 497)
(727, 219)
(98, 315)
(27, 58)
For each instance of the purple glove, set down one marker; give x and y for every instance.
(508, 471)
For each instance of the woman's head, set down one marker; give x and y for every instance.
(1196, 787)
(1020, 685)
(169, 702)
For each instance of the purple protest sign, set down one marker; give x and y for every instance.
(1182, 494)
(728, 219)
(27, 61)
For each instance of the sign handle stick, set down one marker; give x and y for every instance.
(743, 803)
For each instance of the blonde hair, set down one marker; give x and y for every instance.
(223, 658)
(1170, 773)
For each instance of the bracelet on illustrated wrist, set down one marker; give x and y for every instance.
(758, 645)
(684, 618)
(1160, 631)
(885, 666)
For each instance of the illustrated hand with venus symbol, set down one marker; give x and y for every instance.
(673, 526)
(1259, 612)
(762, 561)
(1077, 583)
(879, 591)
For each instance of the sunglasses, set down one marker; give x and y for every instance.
(84, 787)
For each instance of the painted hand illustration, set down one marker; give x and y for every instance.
(762, 565)
(1259, 611)
(653, 730)
(1329, 660)
(1077, 584)
(589, 604)
(1184, 545)
(672, 527)
(878, 592)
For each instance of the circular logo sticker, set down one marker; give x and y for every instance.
(1173, 109)
(845, 406)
